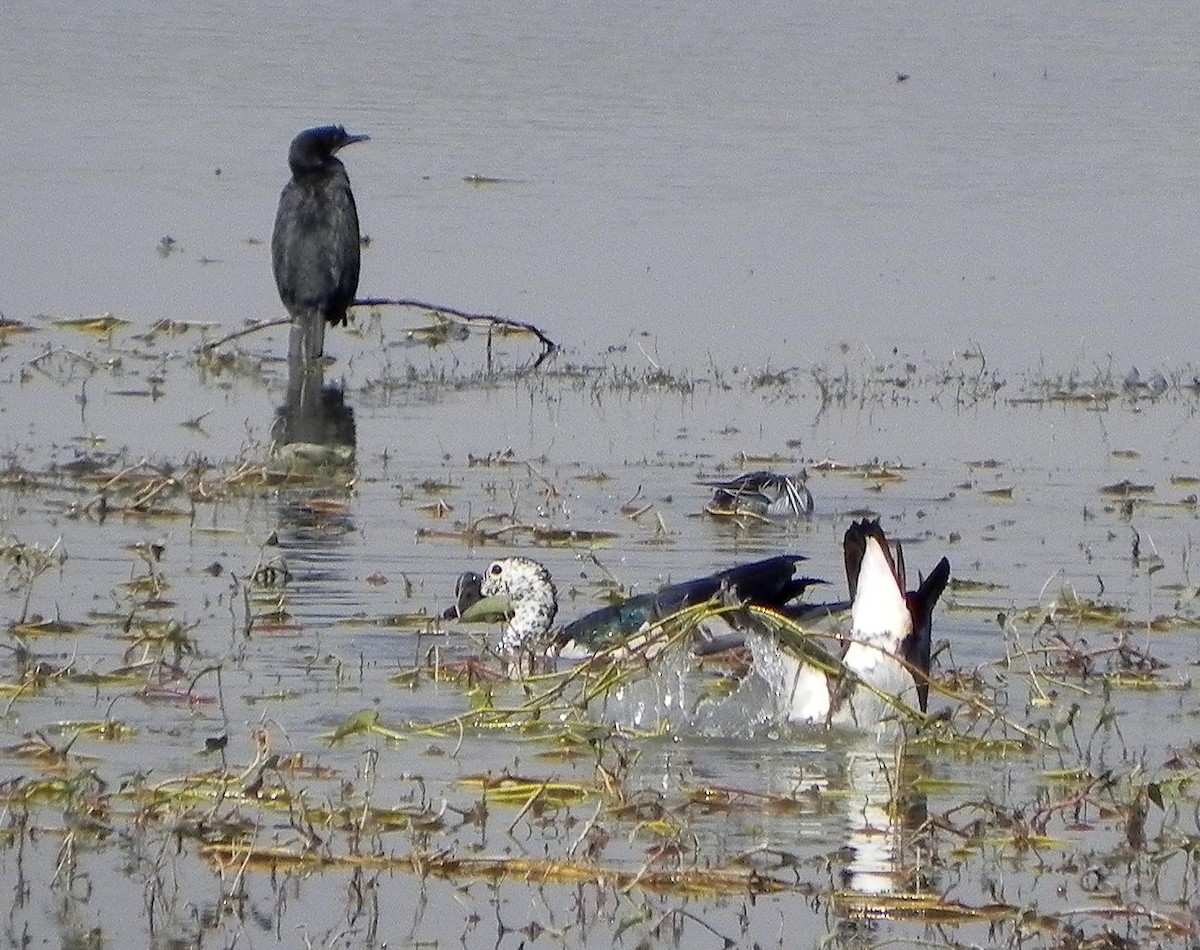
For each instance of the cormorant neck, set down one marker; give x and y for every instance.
(306, 165)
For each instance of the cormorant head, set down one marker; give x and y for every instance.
(313, 149)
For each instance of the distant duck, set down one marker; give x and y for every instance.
(760, 494)
(885, 654)
(532, 599)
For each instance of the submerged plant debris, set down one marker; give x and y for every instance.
(229, 692)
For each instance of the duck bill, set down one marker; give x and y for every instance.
(486, 609)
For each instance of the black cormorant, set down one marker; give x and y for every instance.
(315, 246)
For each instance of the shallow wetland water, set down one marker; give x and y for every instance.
(891, 245)
(228, 701)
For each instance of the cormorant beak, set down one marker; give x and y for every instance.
(351, 139)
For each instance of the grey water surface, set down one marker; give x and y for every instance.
(737, 182)
(791, 235)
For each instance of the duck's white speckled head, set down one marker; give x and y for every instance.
(530, 591)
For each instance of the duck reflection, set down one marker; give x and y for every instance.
(884, 815)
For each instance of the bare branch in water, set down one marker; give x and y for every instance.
(245, 331)
(488, 319)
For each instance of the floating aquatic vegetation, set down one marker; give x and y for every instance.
(108, 730)
(365, 722)
(652, 818)
(40, 627)
(1070, 605)
(27, 564)
(436, 509)
(966, 585)
(507, 530)
(101, 325)
(875, 471)
(10, 328)
(516, 791)
(1126, 489)
(1093, 397)
(929, 908)
(555, 537)
(410, 621)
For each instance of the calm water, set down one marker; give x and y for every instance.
(1031, 189)
(672, 174)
